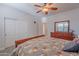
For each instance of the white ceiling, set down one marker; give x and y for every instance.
(31, 9)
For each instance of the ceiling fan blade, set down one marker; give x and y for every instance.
(38, 11)
(53, 8)
(50, 3)
(37, 5)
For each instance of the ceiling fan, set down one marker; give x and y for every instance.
(46, 8)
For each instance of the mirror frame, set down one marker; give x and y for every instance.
(61, 22)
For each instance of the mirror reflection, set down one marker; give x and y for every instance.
(62, 26)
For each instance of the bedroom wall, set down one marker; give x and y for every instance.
(40, 27)
(25, 26)
(72, 15)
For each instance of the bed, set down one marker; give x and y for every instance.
(44, 46)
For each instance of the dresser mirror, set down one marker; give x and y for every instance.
(62, 26)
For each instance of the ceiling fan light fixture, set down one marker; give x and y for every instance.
(45, 10)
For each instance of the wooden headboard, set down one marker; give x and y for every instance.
(20, 41)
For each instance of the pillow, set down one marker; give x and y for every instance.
(77, 41)
(71, 47)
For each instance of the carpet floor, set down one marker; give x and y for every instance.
(7, 51)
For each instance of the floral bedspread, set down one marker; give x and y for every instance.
(44, 46)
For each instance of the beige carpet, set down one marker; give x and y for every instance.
(7, 51)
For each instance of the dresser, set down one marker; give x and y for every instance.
(63, 35)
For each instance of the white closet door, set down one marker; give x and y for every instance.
(10, 31)
(2, 41)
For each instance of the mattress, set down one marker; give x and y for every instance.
(44, 46)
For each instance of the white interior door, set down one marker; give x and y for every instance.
(10, 31)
